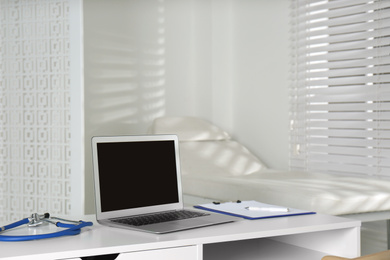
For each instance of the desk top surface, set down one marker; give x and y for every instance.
(100, 240)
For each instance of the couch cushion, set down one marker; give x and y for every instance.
(188, 129)
(218, 158)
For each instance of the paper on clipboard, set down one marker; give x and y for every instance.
(252, 209)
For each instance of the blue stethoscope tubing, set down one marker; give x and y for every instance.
(71, 229)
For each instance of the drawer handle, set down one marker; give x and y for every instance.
(100, 257)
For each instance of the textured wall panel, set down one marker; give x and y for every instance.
(34, 108)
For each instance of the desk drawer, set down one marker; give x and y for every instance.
(176, 253)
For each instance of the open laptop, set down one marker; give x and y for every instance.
(139, 177)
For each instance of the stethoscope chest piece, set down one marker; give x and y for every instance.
(37, 220)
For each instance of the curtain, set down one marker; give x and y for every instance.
(340, 91)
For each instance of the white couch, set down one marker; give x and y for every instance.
(215, 167)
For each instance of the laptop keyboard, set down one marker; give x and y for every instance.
(159, 217)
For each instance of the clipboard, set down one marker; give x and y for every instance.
(252, 209)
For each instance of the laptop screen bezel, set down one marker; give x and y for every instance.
(100, 215)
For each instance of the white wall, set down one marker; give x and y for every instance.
(236, 69)
(260, 113)
(222, 60)
(198, 54)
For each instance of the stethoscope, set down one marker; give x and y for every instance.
(71, 227)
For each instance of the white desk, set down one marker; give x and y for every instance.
(297, 237)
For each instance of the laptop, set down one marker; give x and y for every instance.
(137, 178)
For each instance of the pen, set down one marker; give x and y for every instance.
(268, 209)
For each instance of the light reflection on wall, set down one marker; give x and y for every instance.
(124, 65)
(124, 70)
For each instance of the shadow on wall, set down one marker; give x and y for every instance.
(124, 66)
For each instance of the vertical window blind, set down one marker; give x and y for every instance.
(340, 91)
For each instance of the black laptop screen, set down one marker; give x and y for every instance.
(137, 174)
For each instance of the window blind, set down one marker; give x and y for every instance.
(340, 91)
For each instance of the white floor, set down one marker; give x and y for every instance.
(373, 237)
